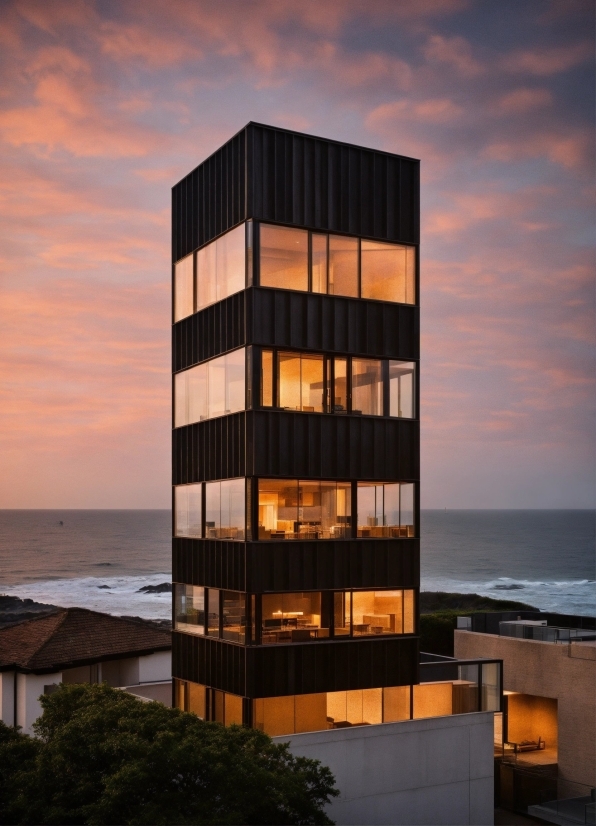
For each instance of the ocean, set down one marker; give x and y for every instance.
(100, 559)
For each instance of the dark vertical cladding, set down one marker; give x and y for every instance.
(277, 176)
(308, 181)
(271, 671)
(296, 566)
(282, 443)
(211, 199)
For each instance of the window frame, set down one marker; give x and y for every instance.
(329, 366)
(359, 238)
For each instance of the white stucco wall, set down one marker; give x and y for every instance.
(155, 667)
(7, 697)
(29, 689)
(433, 771)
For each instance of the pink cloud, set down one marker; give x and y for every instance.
(455, 52)
(520, 100)
(549, 61)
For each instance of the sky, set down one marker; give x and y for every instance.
(105, 105)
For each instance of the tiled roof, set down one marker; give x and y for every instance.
(76, 636)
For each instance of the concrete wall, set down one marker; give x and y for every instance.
(566, 673)
(29, 689)
(155, 667)
(433, 771)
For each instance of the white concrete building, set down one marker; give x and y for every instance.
(428, 771)
(74, 645)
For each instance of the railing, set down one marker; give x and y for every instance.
(545, 633)
(572, 803)
(478, 684)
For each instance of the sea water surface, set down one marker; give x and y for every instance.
(100, 559)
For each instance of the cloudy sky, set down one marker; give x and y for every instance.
(105, 105)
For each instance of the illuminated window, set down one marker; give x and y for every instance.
(221, 267)
(267, 378)
(367, 387)
(225, 504)
(214, 388)
(292, 618)
(296, 509)
(284, 258)
(402, 389)
(183, 288)
(388, 272)
(233, 616)
(319, 263)
(385, 509)
(189, 609)
(188, 510)
(300, 382)
(343, 265)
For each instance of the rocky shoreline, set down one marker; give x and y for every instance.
(15, 609)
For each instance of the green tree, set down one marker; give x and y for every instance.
(103, 757)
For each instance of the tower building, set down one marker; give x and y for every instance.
(296, 560)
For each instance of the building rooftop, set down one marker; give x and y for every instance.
(76, 636)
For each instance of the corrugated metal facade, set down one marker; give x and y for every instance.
(279, 176)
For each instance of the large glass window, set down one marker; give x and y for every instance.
(340, 265)
(225, 504)
(340, 385)
(293, 509)
(183, 288)
(300, 382)
(213, 612)
(221, 267)
(189, 608)
(401, 389)
(284, 257)
(214, 388)
(367, 387)
(188, 513)
(292, 618)
(267, 378)
(369, 613)
(385, 509)
(387, 272)
(233, 616)
(343, 265)
(319, 263)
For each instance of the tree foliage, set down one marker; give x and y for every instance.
(103, 757)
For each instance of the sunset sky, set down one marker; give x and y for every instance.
(105, 105)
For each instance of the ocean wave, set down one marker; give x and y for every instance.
(564, 596)
(118, 595)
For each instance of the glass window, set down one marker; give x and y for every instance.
(319, 263)
(213, 612)
(388, 272)
(343, 265)
(340, 386)
(183, 288)
(189, 609)
(300, 382)
(386, 510)
(233, 616)
(284, 257)
(188, 510)
(225, 509)
(214, 388)
(297, 509)
(196, 699)
(401, 389)
(292, 618)
(377, 612)
(232, 709)
(278, 508)
(267, 378)
(221, 267)
(342, 613)
(367, 387)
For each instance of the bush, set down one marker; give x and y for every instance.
(104, 757)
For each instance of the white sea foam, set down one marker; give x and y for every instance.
(562, 596)
(120, 597)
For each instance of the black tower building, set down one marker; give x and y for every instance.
(296, 433)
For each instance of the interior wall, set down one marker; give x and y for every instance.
(530, 717)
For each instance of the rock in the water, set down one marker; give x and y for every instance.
(162, 588)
